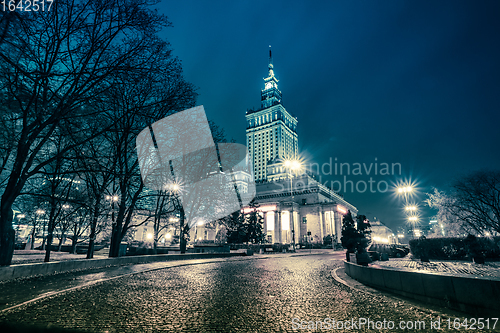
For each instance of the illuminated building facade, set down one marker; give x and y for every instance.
(271, 130)
(296, 208)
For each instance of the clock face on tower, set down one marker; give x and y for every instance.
(269, 85)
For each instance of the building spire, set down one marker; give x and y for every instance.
(270, 58)
(270, 95)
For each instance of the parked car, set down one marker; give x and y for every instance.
(392, 250)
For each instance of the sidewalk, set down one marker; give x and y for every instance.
(490, 269)
(34, 256)
(37, 256)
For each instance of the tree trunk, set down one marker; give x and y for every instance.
(33, 234)
(50, 237)
(182, 238)
(90, 250)
(74, 240)
(50, 229)
(116, 239)
(7, 247)
(59, 246)
(7, 235)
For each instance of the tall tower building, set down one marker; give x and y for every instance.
(271, 130)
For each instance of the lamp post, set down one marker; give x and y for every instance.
(174, 189)
(412, 220)
(112, 199)
(292, 165)
(406, 190)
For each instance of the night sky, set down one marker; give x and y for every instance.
(409, 82)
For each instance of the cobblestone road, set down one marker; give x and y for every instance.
(252, 295)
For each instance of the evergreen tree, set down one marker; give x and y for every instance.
(245, 228)
(350, 235)
(355, 234)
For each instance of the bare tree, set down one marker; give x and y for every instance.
(52, 65)
(157, 92)
(164, 208)
(474, 202)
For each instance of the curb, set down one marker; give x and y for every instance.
(467, 294)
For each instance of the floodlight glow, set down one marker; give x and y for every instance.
(341, 209)
(295, 165)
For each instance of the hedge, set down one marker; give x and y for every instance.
(453, 248)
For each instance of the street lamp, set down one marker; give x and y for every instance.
(411, 208)
(413, 220)
(292, 165)
(112, 198)
(406, 190)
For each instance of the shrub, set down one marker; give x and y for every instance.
(454, 248)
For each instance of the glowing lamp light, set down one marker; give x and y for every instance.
(173, 187)
(292, 164)
(412, 218)
(341, 209)
(200, 223)
(168, 236)
(382, 240)
(149, 236)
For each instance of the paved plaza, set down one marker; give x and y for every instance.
(261, 293)
(489, 269)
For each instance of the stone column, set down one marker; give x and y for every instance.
(296, 226)
(277, 227)
(338, 225)
(321, 222)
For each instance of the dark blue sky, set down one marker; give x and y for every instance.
(409, 82)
